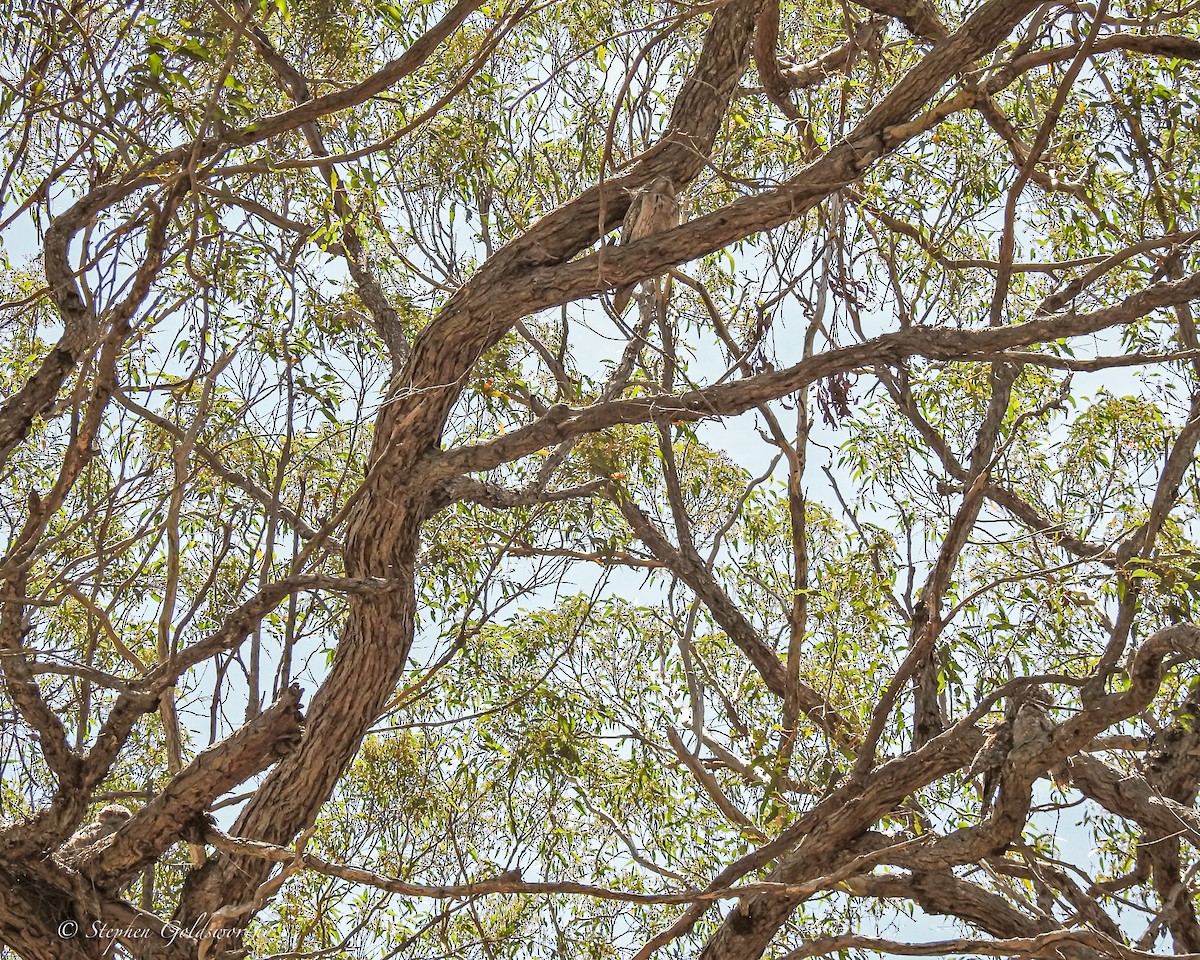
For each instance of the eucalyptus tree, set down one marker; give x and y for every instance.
(372, 586)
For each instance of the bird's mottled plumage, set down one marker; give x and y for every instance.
(108, 821)
(987, 763)
(1032, 721)
(1027, 720)
(652, 210)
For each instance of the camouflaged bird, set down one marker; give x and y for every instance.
(1027, 720)
(108, 821)
(652, 210)
(1032, 721)
(987, 763)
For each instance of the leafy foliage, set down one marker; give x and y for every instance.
(842, 596)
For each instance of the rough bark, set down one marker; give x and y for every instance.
(383, 533)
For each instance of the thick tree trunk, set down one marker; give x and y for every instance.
(50, 913)
(382, 542)
(40, 923)
(384, 531)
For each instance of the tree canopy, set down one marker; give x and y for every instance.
(370, 586)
